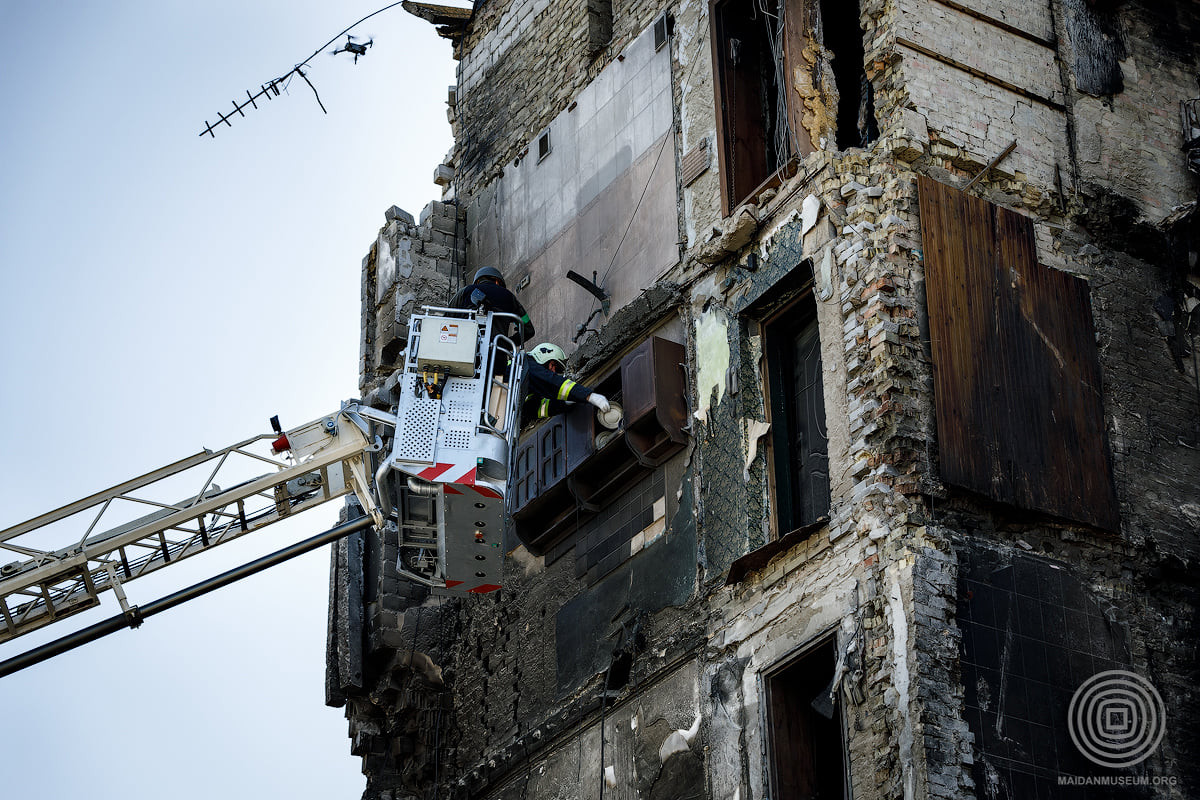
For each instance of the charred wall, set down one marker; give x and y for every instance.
(957, 620)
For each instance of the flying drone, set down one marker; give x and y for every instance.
(357, 48)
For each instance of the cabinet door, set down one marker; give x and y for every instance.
(652, 381)
(524, 477)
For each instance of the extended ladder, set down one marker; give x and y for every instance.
(329, 458)
(453, 429)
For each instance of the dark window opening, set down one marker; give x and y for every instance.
(543, 145)
(750, 38)
(619, 671)
(757, 46)
(807, 747)
(663, 27)
(843, 36)
(796, 400)
(600, 24)
(390, 354)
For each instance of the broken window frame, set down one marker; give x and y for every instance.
(734, 186)
(800, 19)
(787, 500)
(822, 647)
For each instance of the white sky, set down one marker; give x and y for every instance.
(163, 293)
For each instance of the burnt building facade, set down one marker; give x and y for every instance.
(899, 298)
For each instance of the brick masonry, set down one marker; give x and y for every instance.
(943, 606)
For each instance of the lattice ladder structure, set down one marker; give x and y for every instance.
(329, 458)
(451, 437)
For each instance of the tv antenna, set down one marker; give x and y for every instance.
(273, 88)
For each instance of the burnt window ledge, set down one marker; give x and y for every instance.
(755, 560)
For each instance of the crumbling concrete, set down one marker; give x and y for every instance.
(960, 626)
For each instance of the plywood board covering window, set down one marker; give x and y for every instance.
(1020, 417)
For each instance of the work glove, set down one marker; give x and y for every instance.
(599, 401)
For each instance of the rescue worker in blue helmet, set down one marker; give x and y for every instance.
(548, 391)
(488, 291)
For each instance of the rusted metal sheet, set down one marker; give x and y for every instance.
(1020, 414)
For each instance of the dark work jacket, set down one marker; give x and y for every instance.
(547, 394)
(493, 297)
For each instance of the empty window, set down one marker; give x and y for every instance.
(748, 42)
(759, 55)
(806, 733)
(600, 24)
(796, 409)
(842, 36)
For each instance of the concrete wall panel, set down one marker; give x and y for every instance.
(602, 200)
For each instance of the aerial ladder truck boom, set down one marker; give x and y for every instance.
(431, 470)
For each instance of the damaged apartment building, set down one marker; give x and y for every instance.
(900, 300)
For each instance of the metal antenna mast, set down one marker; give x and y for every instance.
(272, 87)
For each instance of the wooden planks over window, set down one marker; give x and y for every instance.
(1020, 415)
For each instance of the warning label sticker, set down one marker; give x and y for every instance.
(449, 333)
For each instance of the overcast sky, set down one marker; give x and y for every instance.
(165, 292)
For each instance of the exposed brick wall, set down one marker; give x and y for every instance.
(530, 671)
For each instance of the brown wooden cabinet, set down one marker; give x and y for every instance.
(570, 466)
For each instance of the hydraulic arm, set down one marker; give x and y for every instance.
(105, 548)
(430, 471)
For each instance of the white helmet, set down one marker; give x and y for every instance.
(548, 351)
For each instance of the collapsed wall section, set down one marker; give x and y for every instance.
(926, 612)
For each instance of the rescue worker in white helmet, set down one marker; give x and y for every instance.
(488, 291)
(548, 390)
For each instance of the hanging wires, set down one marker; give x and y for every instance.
(784, 138)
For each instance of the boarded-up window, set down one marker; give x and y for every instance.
(1019, 408)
